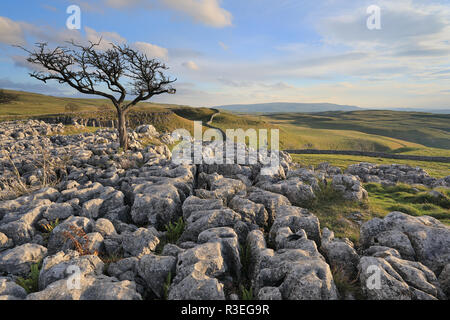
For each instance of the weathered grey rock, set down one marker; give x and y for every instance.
(250, 211)
(139, 243)
(172, 250)
(104, 227)
(203, 220)
(18, 260)
(270, 201)
(286, 239)
(19, 227)
(416, 275)
(429, 238)
(350, 186)
(196, 272)
(197, 286)
(193, 204)
(147, 129)
(296, 218)
(298, 192)
(59, 211)
(258, 251)
(381, 252)
(228, 240)
(392, 278)
(340, 254)
(5, 242)
(206, 258)
(113, 245)
(269, 293)
(298, 276)
(95, 243)
(63, 265)
(157, 205)
(155, 271)
(444, 280)
(59, 239)
(12, 289)
(124, 269)
(91, 288)
(91, 208)
(391, 174)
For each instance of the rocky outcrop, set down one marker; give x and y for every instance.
(422, 239)
(394, 173)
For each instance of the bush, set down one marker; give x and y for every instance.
(167, 284)
(246, 294)
(174, 230)
(72, 107)
(30, 284)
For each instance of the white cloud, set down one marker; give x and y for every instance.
(207, 12)
(151, 50)
(190, 65)
(405, 25)
(11, 32)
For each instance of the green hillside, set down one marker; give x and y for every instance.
(431, 130)
(381, 131)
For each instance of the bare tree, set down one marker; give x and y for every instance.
(90, 70)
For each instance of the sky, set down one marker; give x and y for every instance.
(254, 51)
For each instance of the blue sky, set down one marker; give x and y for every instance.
(254, 51)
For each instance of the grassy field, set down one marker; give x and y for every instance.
(336, 214)
(302, 136)
(430, 130)
(416, 201)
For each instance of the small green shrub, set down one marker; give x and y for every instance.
(246, 294)
(246, 257)
(166, 286)
(31, 283)
(50, 226)
(326, 194)
(175, 230)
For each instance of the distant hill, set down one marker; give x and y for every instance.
(277, 107)
(437, 111)
(282, 107)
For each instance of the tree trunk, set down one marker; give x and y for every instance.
(123, 134)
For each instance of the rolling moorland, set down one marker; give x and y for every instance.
(380, 131)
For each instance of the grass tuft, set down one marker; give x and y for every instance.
(31, 283)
